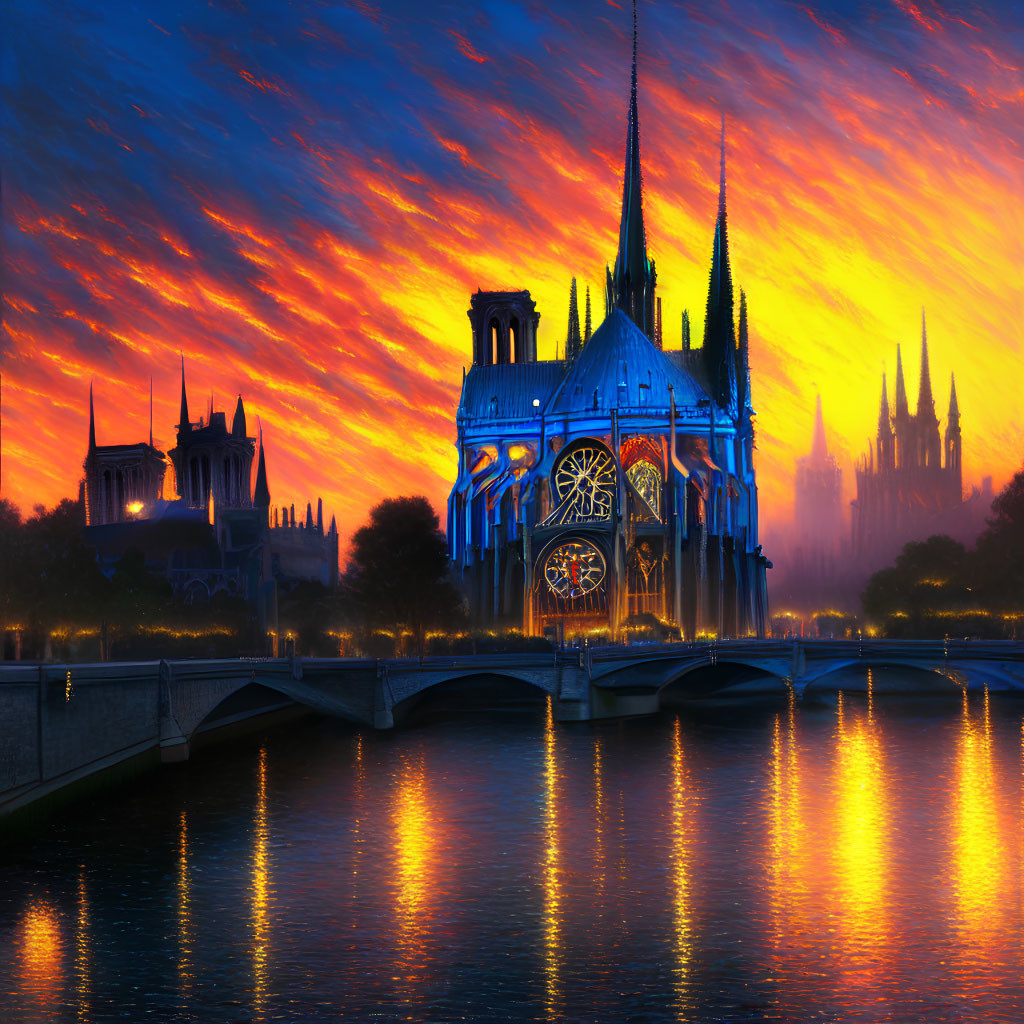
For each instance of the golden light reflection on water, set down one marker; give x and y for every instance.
(260, 892)
(979, 847)
(786, 829)
(682, 827)
(41, 962)
(83, 988)
(862, 844)
(552, 874)
(415, 840)
(185, 971)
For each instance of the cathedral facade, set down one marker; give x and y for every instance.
(614, 486)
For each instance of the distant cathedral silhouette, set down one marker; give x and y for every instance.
(614, 487)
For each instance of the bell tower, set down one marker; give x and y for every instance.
(504, 328)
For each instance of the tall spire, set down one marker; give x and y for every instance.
(183, 423)
(902, 410)
(587, 323)
(573, 339)
(742, 360)
(819, 446)
(151, 411)
(238, 422)
(686, 330)
(92, 423)
(261, 494)
(884, 421)
(719, 332)
(632, 285)
(925, 401)
(954, 405)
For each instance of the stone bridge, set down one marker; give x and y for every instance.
(59, 723)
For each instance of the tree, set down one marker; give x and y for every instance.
(397, 575)
(930, 579)
(999, 561)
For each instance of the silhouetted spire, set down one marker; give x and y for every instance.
(320, 516)
(632, 285)
(819, 446)
(587, 329)
(902, 410)
(309, 516)
(92, 423)
(573, 339)
(183, 423)
(925, 401)
(238, 423)
(686, 330)
(719, 333)
(954, 405)
(334, 526)
(743, 360)
(261, 495)
(151, 411)
(884, 421)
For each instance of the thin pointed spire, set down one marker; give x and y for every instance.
(719, 332)
(183, 423)
(884, 421)
(261, 493)
(587, 323)
(925, 400)
(92, 422)
(309, 516)
(632, 285)
(573, 339)
(320, 516)
(954, 405)
(686, 330)
(902, 409)
(721, 176)
(819, 446)
(238, 422)
(743, 360)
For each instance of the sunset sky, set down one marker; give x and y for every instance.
(301, 197)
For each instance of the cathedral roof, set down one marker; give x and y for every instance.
(507, 391)
(621, 367)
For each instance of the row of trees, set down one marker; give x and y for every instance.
(55, 600)
(939, 587)
(59, 602)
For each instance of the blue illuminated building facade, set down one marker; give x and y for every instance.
(615, 486)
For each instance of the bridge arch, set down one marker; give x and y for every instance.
(925, 676)
(475, 689)
(723, 678)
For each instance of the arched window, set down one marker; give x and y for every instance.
(513, 340)
(492, 334)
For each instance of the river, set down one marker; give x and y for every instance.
(857, 858)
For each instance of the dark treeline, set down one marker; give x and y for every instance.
(395, 598)
(938, 587)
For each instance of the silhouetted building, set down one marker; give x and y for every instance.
(220, 535)
(122, 481)
(615, 485)
(910, 485)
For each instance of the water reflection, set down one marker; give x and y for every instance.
(415, 855)
(185, 969)
(979, 848)
(682, 826)
(41, 964)
(552, 878)
(862, 841)
(600, 822)
(260, 892)
(83, 992)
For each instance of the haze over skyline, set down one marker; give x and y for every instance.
(301, 200)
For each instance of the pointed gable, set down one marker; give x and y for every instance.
(621, 367)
